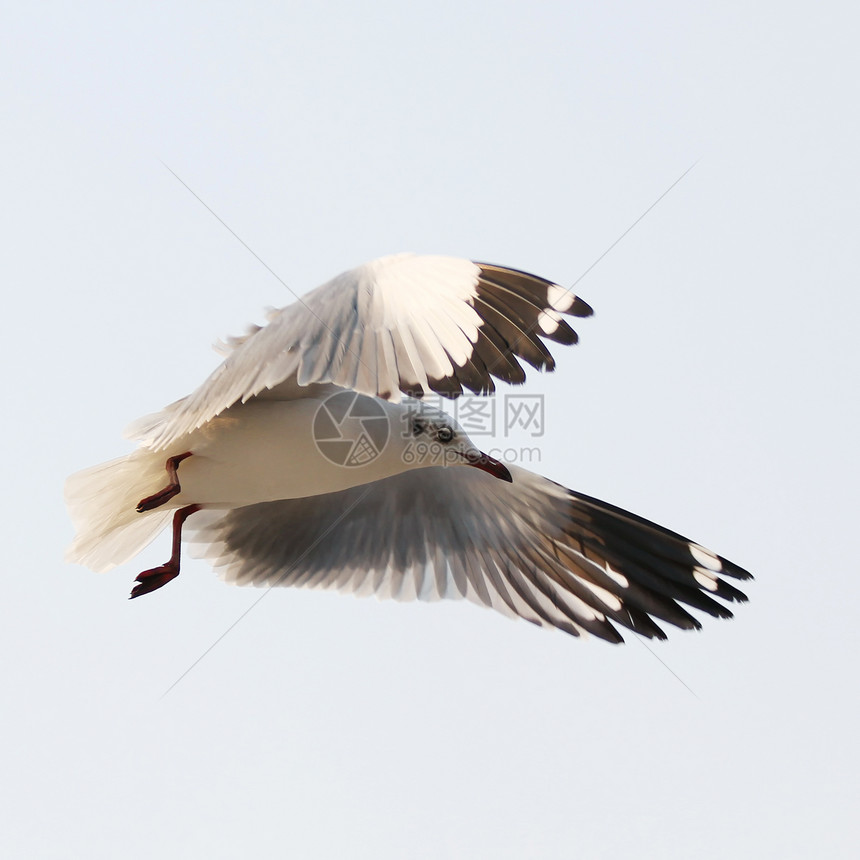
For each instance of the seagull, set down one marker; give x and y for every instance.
(309, 459)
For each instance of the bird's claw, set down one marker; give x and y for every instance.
(152, 579)
(156, 500)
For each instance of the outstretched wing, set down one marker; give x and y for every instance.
(400, 324)
(531, 549)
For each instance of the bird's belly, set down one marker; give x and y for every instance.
(263, 451)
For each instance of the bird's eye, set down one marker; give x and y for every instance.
(444, 434)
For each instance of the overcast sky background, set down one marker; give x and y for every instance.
(715, 391)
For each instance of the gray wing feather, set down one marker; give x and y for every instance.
(400, 324)
(531, 549)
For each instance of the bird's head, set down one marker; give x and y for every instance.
(430, 437)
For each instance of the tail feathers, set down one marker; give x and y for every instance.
(102, 504)
(144, 430)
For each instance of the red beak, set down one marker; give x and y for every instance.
(488, 464)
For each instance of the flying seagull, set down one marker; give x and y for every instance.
(308, 459)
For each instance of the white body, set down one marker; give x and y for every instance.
(264, 450)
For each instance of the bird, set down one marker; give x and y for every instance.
(311, 457)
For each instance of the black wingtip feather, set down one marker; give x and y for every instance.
(580, 308)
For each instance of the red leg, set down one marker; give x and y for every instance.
(156, 500)
(156, 577)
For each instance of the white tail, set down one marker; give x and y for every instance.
(102, 503)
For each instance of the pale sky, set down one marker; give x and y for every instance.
(714, 391)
